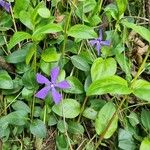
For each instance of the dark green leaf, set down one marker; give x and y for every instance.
(80, 63)
(145, 33)
(5, 80)
(38, 128)
(145, 119)
(75, 128)
(76, 86)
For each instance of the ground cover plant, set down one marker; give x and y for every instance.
(74, 74)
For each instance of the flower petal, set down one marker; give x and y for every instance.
(92, 42)
(56, 96)
(43, 92)
(41, 79)
(63, 85)
(54, 74)
(107, 43)
(98, 47)
(5, 5)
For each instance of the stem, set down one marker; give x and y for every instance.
(65, 30)
(82, 108)
(13, 19)
(45, 110)
(110, 122)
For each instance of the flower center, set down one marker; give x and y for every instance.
(52, 85)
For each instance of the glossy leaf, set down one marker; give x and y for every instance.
(18, 37)
(50, 55)
(144, 32)
(103, 68)
(80, 63)
(69, 108)
(141, 89)
(112, 85)
(82, 32)
(44, 12)
(103, 118)
(76, 85)
(121, 4)
(145, 145)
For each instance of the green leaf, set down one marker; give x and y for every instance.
(126, 141)
(80, 63)
(112, 85)
(19, 6)
(50, 55)
(145, 145)
(19, 55)
(75, 128)
(49, 28)
(25, 18)
(124, 64)
(76, 85)
(29, 80)
(52, 120)
(44, 12)
(20, 105)
(103, 68)
(69, 108)
(31, 52)
(61, 142)
(18, 37)
(82, 32)
(144, 32)
(38, 128)
(90, 113)
(145, 119)
(133, 119)
(5, 80)
(18, 117)
(141, 89)
(61, 126)
(121, 4)
(103, 118)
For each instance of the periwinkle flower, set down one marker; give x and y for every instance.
(98, 42)
(5, 5)
(51, 85)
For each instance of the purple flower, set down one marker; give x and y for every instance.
(98, 42)
(5, 5)
(51, 85)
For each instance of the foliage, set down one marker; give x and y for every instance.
(74, 75)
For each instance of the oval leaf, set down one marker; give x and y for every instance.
(103, 118)
(38, 128)
(141, 89)
(82, 32)
(18, 37)
(80, 63)
(69, 108)
(5, 80)
(103, 68)
(112, 85)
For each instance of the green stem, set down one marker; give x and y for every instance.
(82, 108)
(66, 29)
